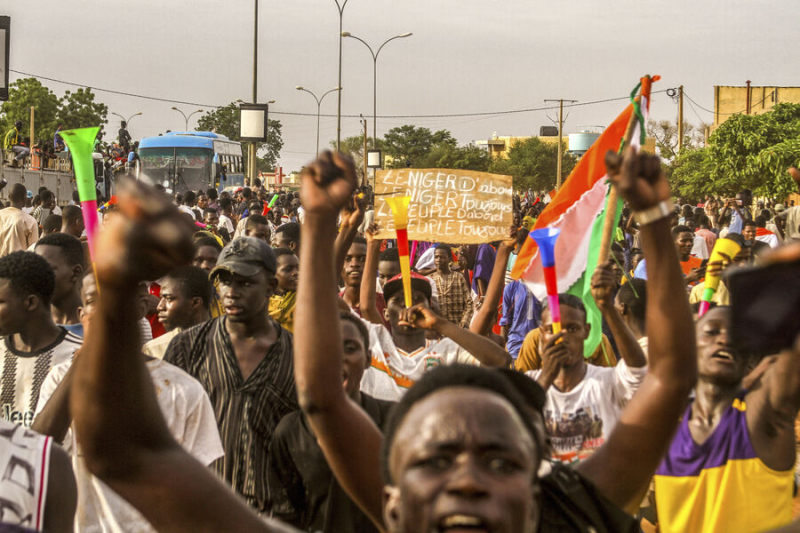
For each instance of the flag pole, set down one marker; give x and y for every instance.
(611, 202)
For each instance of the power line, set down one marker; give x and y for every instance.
(290, 113)
(770, 95)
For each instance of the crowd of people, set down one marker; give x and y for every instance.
(120, 154)
(246, 362)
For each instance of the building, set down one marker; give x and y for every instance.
(749, 99)
(498, 146)
(575, 143)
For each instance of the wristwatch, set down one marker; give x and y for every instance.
(657, 212)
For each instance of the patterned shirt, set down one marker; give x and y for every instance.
(22, 375)
(247, 410)
(455, 301)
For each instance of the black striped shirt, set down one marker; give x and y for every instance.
(247, 411)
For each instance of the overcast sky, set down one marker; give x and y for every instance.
(465, 56)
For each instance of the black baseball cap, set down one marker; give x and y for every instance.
(246, 256)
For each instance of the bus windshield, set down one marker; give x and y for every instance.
(182, 168)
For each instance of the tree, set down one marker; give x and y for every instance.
(666, 135)
(745, 152)
(533, 164)
(354, 147)
(23, 94)
(410, 145)
(461, 157)
(79, 110)
(226, 120)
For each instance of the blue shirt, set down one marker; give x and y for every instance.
(641, 270)
(521, 311)
(484, 264)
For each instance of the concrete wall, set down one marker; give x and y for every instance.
(730, 100)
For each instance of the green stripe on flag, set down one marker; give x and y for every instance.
(583, 287)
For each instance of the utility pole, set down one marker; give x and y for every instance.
(560, 135)
(252, 148)
(364, 179)
(680, 119)
(31, 142)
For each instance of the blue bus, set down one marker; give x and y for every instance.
(191, 161)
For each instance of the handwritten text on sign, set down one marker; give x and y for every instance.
(447, 205)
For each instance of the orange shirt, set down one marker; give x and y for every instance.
(689, 264)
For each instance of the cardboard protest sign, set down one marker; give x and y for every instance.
(447, 205)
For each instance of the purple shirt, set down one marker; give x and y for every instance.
(484, 264)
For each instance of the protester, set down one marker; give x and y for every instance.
(455, 302)
(256, 226)
(691, 266)
(183, 303)
(283, 302)
(287, 236)
(631, 304)
(64, 253)
(183, 404)
(484, 263)
(207, 250)
(757, 247)
(13, 142)
(584, 401)
(243, 359)
(731, 465)
(18, 230)
(211, 220)
(38, 489)
(303, 490)
(32, 343)
(45, 208)
(72, 221)
(521, 314)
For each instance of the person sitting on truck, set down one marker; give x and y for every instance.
(14, 143)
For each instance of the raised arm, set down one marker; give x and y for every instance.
(622, 468)
(348, 438)
(483, 319)
(123, 436)
(352, 215)
(603, 290)
(369, 309)
(487, 352)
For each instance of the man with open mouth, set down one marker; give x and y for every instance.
(730, 466)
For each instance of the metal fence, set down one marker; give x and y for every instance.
(60, 182)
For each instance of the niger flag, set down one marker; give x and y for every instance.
(578, 209)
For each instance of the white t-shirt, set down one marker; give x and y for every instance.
(25, 460)
(394, 371)
(227, 223)
(579, 421)
(187, 209)
(190, 418)
(700, 247)
(24, 372)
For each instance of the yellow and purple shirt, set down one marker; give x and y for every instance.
(720, 485)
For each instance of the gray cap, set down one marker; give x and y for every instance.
(246, 256)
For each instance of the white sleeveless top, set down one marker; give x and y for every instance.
(24, 464)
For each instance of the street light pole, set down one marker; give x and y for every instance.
(128, 120)
(251, 150)
(319, 103)
(186, 118)
(340, 7)
(375, 77)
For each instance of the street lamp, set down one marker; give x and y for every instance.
(340, 7)
(375, 77)
(128, 120)
(319, 103)
(186, 118)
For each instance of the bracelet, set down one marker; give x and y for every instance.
(657, 212)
